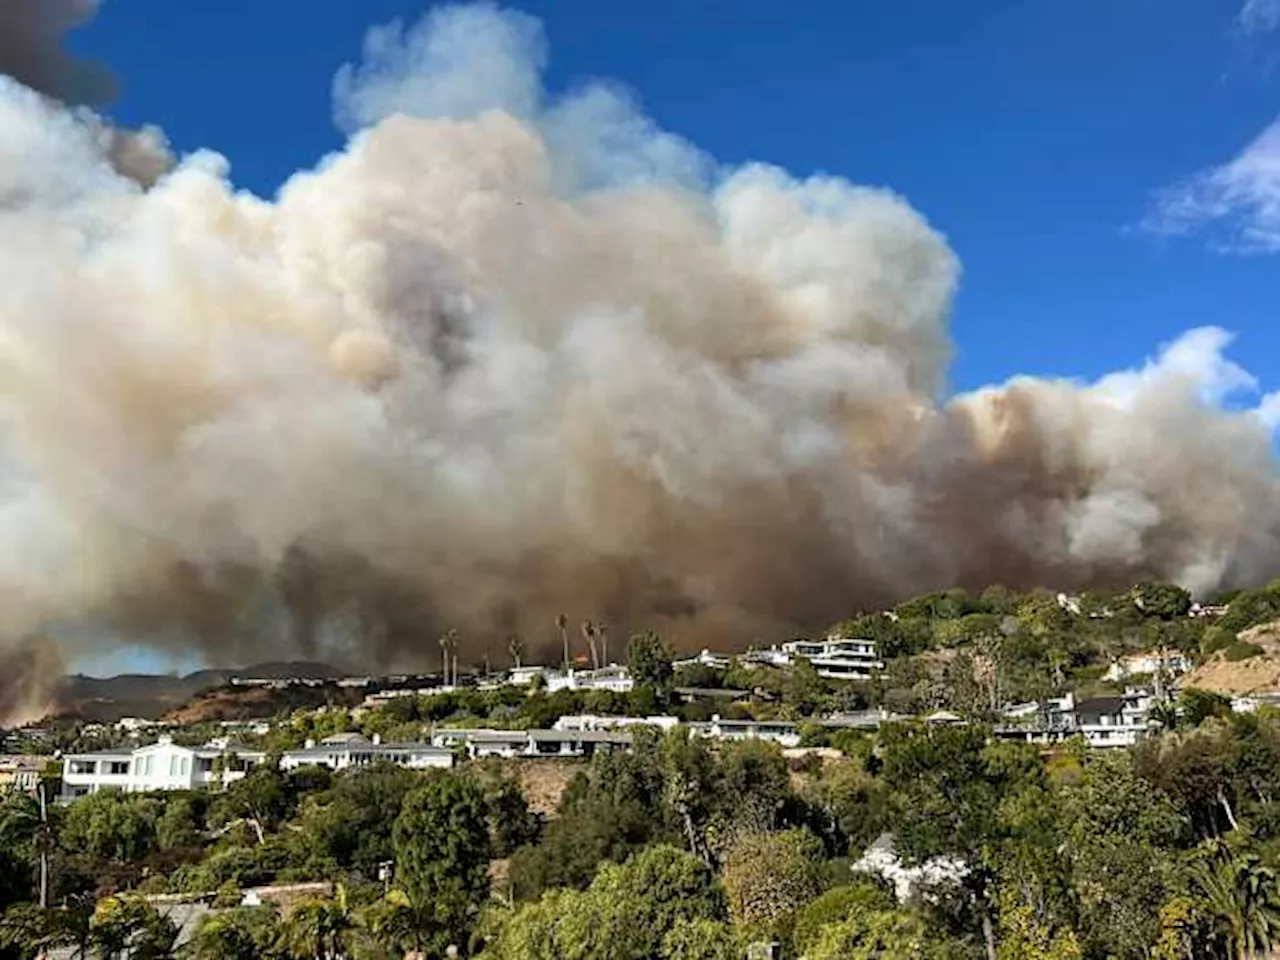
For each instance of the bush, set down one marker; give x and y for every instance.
(1242, 650)
(835, 905)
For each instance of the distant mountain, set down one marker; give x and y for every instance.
(151, 696)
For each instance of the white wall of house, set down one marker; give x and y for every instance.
(163, 765)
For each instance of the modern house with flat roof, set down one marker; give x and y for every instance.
(352, 750)
(163, 765)
(835, 658)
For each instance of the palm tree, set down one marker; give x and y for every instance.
(449, 648)
(515, 647)
(589, 634)
(321, 929)
(1241, 895)
(602, 629)
(444, 657)
(562, 622)
(398, 923)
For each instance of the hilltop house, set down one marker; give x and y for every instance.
(1168, 662)
(163, 765)
(835, 658)
(347, 750)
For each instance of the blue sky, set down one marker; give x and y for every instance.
(1037, 134)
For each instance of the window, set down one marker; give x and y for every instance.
(118, 768)
(173, 766)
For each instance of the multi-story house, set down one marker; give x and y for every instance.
(163, 765)
(835, 658)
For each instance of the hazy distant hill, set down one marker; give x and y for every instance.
(151, 696)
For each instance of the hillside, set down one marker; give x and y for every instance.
(106, 700)
(1258, 674)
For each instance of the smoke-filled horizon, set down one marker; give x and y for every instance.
(508, 356)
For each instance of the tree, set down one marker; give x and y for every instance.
(562, 624)
(701, 939)
(804, 687)
(589, 635)
(1118, 836)
(872, 935)
(1023, 936)
(441, 841)
(130, 927)
(649, 661)
(627, 913)
(835, 905)
(111, 825)
(181, 824)
(320, 928)
(1164, 600)
(515, 648)
(261, 799)
(770, 877)
(245, 933)
(1242, 898)
(945, 788)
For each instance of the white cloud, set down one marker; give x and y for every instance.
(1236, 204)
(1197, 358)
(1259, 16)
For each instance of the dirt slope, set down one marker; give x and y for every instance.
(1260, 674)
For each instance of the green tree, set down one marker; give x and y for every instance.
(770, 877)
(111, 825)
(872, 935)
(441, 842)
(1163, 600)
(181, 824)
(627, 913)
(1119, 837)
(245, 933)
(320, 928)
(835, 905)
(649, 661)
(702, 939)
(944, 792)
(130, 927)
(1241, 896)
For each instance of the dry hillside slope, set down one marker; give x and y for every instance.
(1260, 674)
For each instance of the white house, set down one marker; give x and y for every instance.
(531, 743)
(163, 765)
(835, 658)
(590, 722)
(1114, 721)
(1169, 662)
(775, 731)
(614, 678)
(353, 750)
(715, 661)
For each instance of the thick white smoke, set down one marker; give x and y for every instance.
(507, 356)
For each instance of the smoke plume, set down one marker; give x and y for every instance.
(508, 356)
(31, 51)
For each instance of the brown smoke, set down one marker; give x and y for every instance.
(506, 358)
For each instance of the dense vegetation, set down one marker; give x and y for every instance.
(684, 848)
(687, 849)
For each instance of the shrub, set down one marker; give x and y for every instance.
(1242, 650)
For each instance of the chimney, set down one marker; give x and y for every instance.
(377, 739)
(309, 743)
